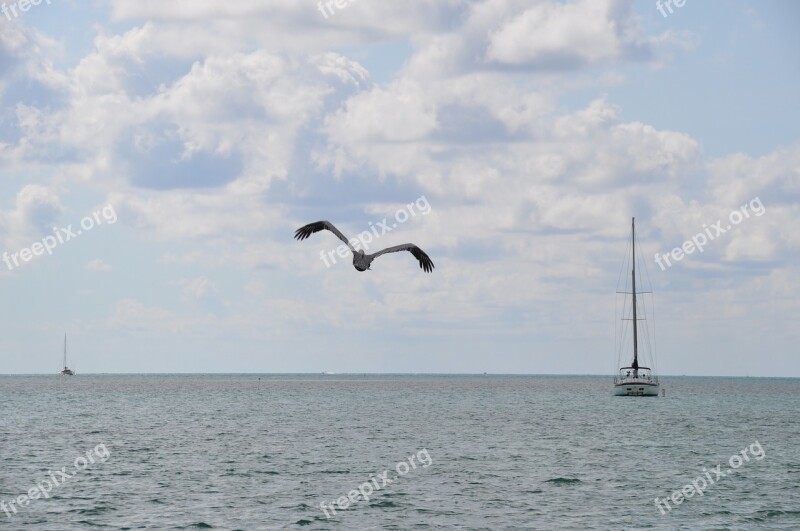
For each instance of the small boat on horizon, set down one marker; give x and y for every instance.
(66, 371)
(635, 379)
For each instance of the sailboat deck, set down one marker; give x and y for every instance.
(641, 380)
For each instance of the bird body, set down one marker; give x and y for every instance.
(361, 260)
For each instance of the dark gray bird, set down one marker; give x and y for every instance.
(362, 261)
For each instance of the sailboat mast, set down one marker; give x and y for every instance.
(65, 351)
(635, 364)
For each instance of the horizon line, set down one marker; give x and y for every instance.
(360, 373)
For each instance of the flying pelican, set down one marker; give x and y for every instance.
(362, 261)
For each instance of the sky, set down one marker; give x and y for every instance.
(157, 157)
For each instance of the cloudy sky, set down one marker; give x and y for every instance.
(192, 137)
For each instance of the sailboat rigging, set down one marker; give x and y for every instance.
(66, 371)
(635, 379)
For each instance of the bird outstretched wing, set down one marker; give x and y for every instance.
(307, 230)
(425, 261)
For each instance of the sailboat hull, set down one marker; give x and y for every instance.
(635, 388)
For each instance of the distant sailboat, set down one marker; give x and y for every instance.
(66, 371)
(634, 380)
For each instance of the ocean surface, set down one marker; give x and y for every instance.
(461, 452)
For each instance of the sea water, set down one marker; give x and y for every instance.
(418, 451)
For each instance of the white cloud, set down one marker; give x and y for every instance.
(542, 36)
(133, 315)
(36, 209)
(587, 31)
(98, 265)
(198, 288)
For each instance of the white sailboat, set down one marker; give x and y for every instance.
(66, 371)
(635, 379)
